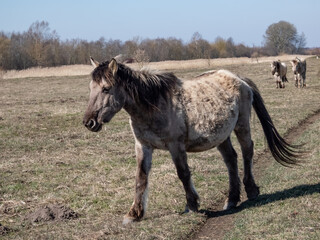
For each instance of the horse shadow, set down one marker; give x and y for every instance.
(265, 199)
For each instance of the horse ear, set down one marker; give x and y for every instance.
(94, 62)
(119, 58)
(113, 66)
(293, 62)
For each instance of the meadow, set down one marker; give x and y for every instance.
(48, 158)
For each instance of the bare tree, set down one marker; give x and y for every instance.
(4, 49)
(198, 47)
(40, 46)
(130, 47)
(300, 43)
(39, 36)
(221, 47)
(282, 37)
(141, 57)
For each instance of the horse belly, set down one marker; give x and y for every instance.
(212, 110)
(204, 136)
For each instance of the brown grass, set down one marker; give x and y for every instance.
(288, 207)
(48, 157)
(79, 70)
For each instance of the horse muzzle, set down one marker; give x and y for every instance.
(93, 125)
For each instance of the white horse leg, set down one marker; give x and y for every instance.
(138, 208)
(277, 82)
(230, 158)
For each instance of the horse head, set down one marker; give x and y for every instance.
(106, 97)
(298, 66)
(275, 66)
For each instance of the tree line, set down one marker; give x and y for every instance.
(41, 46)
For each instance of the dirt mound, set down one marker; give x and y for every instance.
(4, 230)
(52, 212)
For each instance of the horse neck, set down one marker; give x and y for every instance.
(139, 113)
(132, 108)
(137, 105)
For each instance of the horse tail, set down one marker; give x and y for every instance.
(282, 151)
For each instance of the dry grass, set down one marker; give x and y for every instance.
(70, 70)
(289, 206)
(79, 70)
(47, 156)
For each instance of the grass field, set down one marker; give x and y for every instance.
(48, 157)
(289, 205)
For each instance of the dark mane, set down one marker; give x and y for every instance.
(144, 87)
(100, 72)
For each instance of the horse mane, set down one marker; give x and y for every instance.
(144, 87)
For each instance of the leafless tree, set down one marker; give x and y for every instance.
(141, 57)
(282, 37)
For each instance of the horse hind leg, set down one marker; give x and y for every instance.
(242, 132)
(230, 158)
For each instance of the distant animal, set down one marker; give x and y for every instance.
(279, 71)
(299, 69)
(183, 116)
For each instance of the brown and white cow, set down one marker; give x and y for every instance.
(299, 69)
(279, 71)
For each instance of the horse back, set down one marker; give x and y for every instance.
(212, 104)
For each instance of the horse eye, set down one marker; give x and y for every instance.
(105, 90)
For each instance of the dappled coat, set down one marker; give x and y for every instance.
(299, 69)
(279, 71)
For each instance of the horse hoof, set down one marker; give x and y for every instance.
(188, 209)
(253, 193)
(127, 220)
(229, 205)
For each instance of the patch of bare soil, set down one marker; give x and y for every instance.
(219, 221)
(51, 212)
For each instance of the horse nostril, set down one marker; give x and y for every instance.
(91, 124)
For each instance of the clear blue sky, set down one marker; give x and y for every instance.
(244, 20)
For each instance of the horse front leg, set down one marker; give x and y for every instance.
(179, 157)
(277, 82)
(138, 208)
(282, 82)
(304, 81)
(299, 81)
